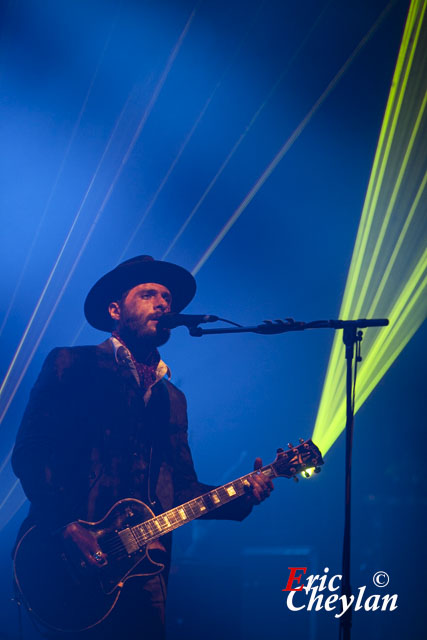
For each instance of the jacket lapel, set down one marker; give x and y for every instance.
(107, 361)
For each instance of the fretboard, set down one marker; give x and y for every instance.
(151, 529)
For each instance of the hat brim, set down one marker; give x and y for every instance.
(115, 283)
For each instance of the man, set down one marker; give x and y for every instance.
(103, 424)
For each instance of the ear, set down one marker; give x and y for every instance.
(114, 310)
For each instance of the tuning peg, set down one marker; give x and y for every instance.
(295, 479)
(280, 450)
(318, 470)
(301, 440)
(290, 445)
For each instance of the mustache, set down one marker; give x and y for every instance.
(155, 316)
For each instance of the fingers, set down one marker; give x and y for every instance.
(261, 488)
(257, 464)
(260, 485)
(86, 543)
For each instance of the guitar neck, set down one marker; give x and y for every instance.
(193, 509)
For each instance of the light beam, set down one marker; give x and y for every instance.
(6, 396)
(388, 271)
(288, 144)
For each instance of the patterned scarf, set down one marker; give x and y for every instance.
(146, 370)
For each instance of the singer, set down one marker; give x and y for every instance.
(104, 423)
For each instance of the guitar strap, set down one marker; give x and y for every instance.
(158, 418)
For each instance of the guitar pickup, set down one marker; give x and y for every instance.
(129, 541)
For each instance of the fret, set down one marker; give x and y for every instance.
(241, 485)
(150, 526)
(138, 535)
(157, 524)
(198, 506)
(169, 519)
(201, 505)
(223, 495)
(192, 510)
(208, 501)
(188, 510)
(215, 497)
(174, 518)
(269, 471)
(145, 530)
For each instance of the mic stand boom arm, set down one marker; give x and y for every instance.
(269, 327)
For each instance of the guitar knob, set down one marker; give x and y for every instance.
(290, 445)
(279, 450)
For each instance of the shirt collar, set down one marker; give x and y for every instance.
(162, 369)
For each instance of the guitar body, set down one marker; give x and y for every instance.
(61, 589)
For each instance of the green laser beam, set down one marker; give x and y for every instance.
(388, 270)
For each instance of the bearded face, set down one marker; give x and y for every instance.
(137, 315)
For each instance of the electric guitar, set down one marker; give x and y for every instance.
(66, 593)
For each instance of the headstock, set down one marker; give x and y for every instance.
(296, 459)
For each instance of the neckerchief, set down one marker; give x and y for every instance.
(147, 371)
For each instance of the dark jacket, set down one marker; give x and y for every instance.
(87, 440)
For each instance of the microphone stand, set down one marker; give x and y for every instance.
(351, 336)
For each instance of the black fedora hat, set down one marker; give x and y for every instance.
(129, 274)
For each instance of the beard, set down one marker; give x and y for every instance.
(139, 337)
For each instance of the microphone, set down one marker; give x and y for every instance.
(172, 320)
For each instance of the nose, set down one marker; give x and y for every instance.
(160, 303)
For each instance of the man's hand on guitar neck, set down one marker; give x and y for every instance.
(260, 486)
